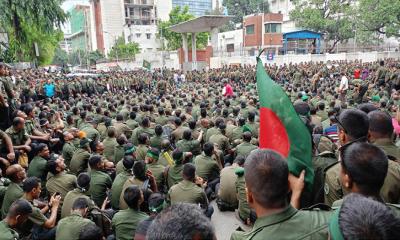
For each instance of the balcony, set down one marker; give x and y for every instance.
(144, 3)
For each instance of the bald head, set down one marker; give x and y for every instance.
(16, 173)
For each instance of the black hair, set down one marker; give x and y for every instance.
(247, 136)
(189, 171)
(132, 115)
(158, 130)
(381, 123)
(366, 164)
(181, 221)
(266, 175)
(94, 160)
(142, 139)
(80, 203)
(363, 218)
(355, 123)
(139, 170)
(51, 166)
(30, 183)
(111, 132)
(132, 196)
(20, 207)
(208, 148)
(83, 181)
(128, 161)
(187, 134)
(91, 232)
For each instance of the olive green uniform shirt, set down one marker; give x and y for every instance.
(244, 149)
(243, 208)
(70, 199)
(174, 175)
(125, 223)
(158, 173)
(18, 138)
(109, 148)
(79, 161)
(141, 152)
(14, 192)
(7, 233)
(116, 187)
(67, 152)
(227, 189)
(221, 140)
(192, 146)
(37, 168)
(99, 183)
(119, 153)
(187, 192)
(289, 224)
(70, 227)
(62, 183)
(206, 167)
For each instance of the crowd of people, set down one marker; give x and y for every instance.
(141, 154)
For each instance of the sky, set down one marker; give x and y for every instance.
(68, 4)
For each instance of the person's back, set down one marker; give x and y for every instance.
(116, 187)
(125, 221)
(266, 174)
(227, 198)
(71, 226)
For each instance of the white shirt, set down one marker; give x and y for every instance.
(344, 83)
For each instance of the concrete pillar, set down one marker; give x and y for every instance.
(214, 41)
(194, 53)
(185, 48)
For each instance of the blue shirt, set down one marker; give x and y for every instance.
(49, 90)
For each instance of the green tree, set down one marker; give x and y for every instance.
(240, 8)
(32, 21)
(378, 16)
(124, 50)
(60, 57)
(174, 40)
(94, 56)
(332, 18)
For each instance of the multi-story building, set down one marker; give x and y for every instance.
(263, 30)
(283, 7)
(80, 37)
(196, 7)
(134, 20)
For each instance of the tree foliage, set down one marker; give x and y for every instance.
(124, 50)
(332, 18)
(32, 21)
(240, 8)
(174, 40)
(379, 16)
(60, 57)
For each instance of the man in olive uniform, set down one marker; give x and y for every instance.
(71, 226)
(187, 144)
(126, 221)
(16, 216)
(68, 147)
(161, 119)
(267, 194)
(110, 142)
(120, 179)
(244, 210)
(121, 127)
(19, 138)
(206, 167)
(58, 180)
(81, 157)
(89, 127)
(100, 182)
(220, 139)
(177, 134)
(227, 199)
(189, 191)
(156, 169)
(38, 224)
(81, 191)
(141, 150)
(156, 140)
(17, 175)
(245, 147)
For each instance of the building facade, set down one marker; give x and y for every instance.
(196, 7)
(80, 37)
(263, 31)
(283, 7)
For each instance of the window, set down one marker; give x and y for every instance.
(138, 35)
(273, 28)
(250, 29)
(230, 47)
(148, 35)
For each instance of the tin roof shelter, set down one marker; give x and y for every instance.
(302, 41)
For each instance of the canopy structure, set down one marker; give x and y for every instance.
(304, 41)
(208, 23)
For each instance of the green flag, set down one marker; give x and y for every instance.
(146, 64)
(281, 129)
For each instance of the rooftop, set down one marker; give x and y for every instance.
(201, 24)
